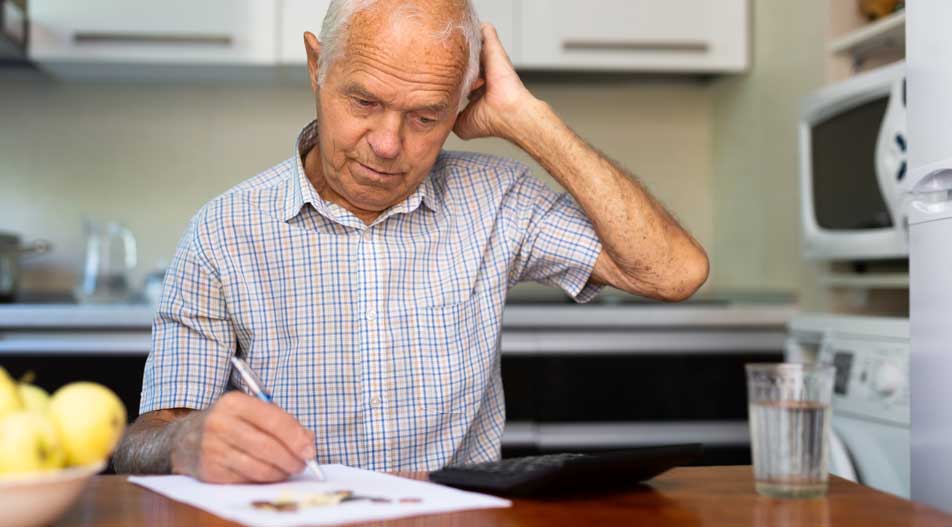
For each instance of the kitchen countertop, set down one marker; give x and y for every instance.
(60, 316)
(515, 315)
(529, 327)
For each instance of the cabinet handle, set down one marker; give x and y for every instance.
(634, 45)
(92, 37)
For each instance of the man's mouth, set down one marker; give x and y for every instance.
(378, 173)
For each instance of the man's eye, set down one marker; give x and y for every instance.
(426, 120)
(364, 103)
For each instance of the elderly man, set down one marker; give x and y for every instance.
(364, 278)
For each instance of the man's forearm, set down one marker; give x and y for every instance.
(148, 444)
(636, 232)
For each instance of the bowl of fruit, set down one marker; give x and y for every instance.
(51, 446)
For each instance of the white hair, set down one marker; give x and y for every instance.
(336, 23)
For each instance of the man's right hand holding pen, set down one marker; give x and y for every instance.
(240, 439)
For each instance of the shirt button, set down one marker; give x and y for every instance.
(375, 401)
(371, 314)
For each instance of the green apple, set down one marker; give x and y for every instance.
(29, 443)
(90, 419)
(9, 395)
(35, 399)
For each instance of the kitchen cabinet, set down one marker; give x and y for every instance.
(298, 16)
(686, 36)
(502, 14)
(149, 32)
(178, 39)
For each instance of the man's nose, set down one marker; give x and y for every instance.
(385, 138)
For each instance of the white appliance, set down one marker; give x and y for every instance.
(871, 413)
(852, 143)
(929, 187)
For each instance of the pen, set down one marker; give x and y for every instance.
(254, 384)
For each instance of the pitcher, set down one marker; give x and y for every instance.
(110, 258)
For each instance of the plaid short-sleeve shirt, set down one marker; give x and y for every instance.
(382, 338)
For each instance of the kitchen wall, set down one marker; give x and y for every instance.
(721, 154)
(151, 155)
(754, 128)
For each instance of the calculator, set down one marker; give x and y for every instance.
(553, 474)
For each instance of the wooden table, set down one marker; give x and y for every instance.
(722, 496)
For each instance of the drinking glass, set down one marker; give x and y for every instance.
(789, 407)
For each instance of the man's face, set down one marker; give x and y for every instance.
(384, 111)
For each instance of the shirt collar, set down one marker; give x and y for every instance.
(301, 191)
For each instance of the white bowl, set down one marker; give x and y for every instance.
(40, 498)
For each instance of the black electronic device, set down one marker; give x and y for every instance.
(553, 474)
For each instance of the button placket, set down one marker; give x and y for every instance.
(375, 423)
(363, 281)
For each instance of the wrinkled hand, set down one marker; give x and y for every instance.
(240, 440)
(498, 97)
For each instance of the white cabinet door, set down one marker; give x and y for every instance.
(298, 16)
(634, 35)
(502, 15)
(151, 31)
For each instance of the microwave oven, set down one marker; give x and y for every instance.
(852, 147)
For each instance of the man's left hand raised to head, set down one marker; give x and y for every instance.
(499, 100)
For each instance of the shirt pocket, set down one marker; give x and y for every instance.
(438, 273)
(448, 361)
(441, 294)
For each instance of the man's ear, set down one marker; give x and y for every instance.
(477, 84)
(475, 92)
(313, 49)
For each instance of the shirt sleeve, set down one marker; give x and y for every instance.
(192, 335)
(555, 241)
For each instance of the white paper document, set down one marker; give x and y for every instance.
(348, 495)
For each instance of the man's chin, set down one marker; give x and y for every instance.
(374, 203)
(372, 196)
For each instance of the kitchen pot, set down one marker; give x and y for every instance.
(10, 252)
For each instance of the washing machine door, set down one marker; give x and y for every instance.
(879, 453)
(841, 464)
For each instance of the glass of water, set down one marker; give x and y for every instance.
(789, 407)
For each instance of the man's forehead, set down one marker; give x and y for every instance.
(420, 41)
(400, 63)
(436, 13)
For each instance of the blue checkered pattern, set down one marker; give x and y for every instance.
(383, 339)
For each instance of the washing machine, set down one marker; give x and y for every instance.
(870, 441)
